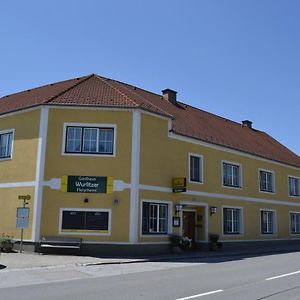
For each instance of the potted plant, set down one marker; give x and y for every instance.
(186, 242)
(6, 243)
(175, 243)
(214, 244)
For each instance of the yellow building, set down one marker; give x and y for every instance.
(123, 168)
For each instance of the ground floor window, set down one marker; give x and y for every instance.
(85, 221)
(232, 220)
(295, 222)
(155, 218)
(267, 221)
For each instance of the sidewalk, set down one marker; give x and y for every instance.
(29, 260)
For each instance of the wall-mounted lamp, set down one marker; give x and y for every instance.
(86, 200)
(213, 210)
(178, 208)
(116, 201)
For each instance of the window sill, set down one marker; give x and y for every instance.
(88, 154)
(195, 182)
(5, 158)
(267, 192)
(232, 187)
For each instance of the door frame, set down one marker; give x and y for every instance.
(194, 205)
(195, 211)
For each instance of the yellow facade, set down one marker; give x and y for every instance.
(144, 178)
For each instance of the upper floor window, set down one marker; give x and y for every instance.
(294, 186)
(232, 220)
(266, 181)
(231, 175)
(196, 168)
(267, 221)
(89, 140)
(6, 144)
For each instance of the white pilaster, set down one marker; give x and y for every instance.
(39, 177)
(135, 177)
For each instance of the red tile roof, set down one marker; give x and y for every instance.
(94, 90)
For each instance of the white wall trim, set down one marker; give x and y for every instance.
(221, 196)
(40, 166)
(135, 176)
(16, 184)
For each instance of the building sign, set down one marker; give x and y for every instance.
(179, 184)
(87, 184)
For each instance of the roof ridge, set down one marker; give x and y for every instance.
(105, 81)
(83, 79)
(215, 115)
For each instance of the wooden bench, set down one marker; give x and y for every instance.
(51, 243)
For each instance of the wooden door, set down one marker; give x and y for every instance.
(189, 225)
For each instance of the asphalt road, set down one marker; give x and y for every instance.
(263, 277)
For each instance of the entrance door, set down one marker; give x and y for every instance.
(189, 225)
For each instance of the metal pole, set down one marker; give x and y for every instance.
(21, 242)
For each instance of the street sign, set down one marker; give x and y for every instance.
(22, 217)
(24, 197)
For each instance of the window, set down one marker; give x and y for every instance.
(294, 186)
(232, 220)
(84, 221)
(267, 221)
(6, 144)
(231, 175)
(155, 218)
(89, 140)
(195, 168)
(266, 181)
(295, 222)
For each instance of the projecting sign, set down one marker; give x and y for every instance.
(179, 184)
(87, 184)
(24, 197)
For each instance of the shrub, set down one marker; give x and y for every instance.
(6, 242)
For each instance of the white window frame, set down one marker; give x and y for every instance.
(200, 169)
(169, 221)
(61, 210)
(295, 177)
(240, 175)
(241, 217)
(273, 181)
(89, 125)
(290, 219)
(7, 131)
(274, 231)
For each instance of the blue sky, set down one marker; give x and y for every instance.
(235, 58)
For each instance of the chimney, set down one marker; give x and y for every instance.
(247, 123)
(170, 96)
